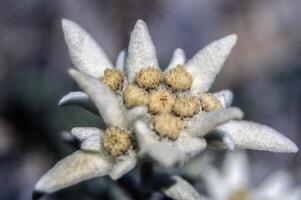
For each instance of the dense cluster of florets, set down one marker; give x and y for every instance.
(166, 95)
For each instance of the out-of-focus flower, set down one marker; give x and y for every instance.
(165, 116)
(232, 182)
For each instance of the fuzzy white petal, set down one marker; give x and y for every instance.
(141, 51)
(105, 100)
(206, 122)
(190, 145)
(80, 99)
(225, 97)
(235, 169)
(86, 54)
(143, 135)
(207, 63)
(250, 135)
(90, 137)
(165, 154)
(220, 140)
(178, 58)
(135, 114)
(73, 169)
(120, 61)
(123, 166)
(181, 190)
(161, 152)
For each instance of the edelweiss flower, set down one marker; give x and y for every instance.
(232, 182)
(165, 116)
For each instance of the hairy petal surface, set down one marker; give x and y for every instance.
(120, 61)
(206, 122)
(190, 145)
(181, 190)
(105, 100)
(178, 58)
(78, 99)
(250, 135)
(90, 138)
(225, 97)
(207, 63)
(123, 166)
(141, 51)
(73, 169)
(85, 53)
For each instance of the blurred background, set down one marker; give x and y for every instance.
(264, 71)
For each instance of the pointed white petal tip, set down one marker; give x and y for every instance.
(250, 135)
(207, 63)
(178, 58)
(141, 51)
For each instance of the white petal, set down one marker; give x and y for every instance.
(86, 54)
(235, 169)
(274, 186)
(73, 169)
(135, 114)
(178, 58)
(165, 154)
(181, 190)
(250, 135)
(120, 62)
(123, 166)
(190, 145)
(105, 100)
(206, 122)
(215, 183)
(80, 99)
(220, 140)
(207, 63)
(225, 97)
(141, 51)
(90, 137)
(143, 135)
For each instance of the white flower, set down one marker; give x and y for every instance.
(232, 182)
(166, 117)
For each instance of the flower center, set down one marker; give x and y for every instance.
(112, 78)
(168, 125)
(135, 96)
(210, 103)
(148, 78)
(161, 101)
(178, 78)
(116, 141)
(186, 106)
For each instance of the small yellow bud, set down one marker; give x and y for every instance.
(210, 102)
(186, 106)
(178, 78)
(239, 194)
(116, 141)
(148, 78)
(112, 78)
(168, 125)
(161, 101)
(135, 96)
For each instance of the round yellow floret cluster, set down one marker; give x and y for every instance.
(168, 125)
(116, 141)
(135, 96)
(186, 106)
(112, 78)
(148, 78)
(161, 101)
(210, 103)
(178, 78)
